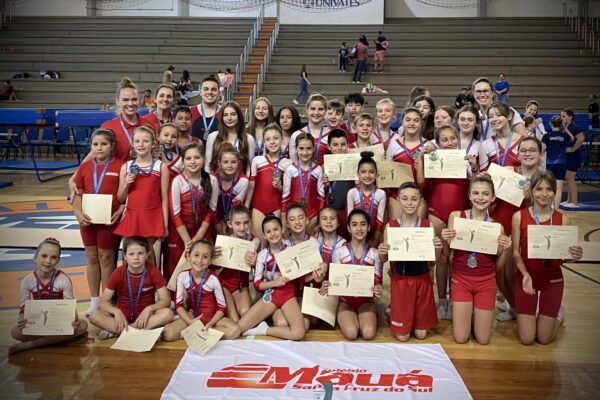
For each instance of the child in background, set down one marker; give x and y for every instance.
(386, 112)
(426, 106)
(363, 127)
(182, 119)
(316, 106)
(412, 306)
(45, 282)
(99, 176)
(343, 57)
(556, 142)
(235, 283)
(444, 115)
(260, 117)
(334, 117)
(289, 121)
(136, 283)
(202, 290)
(233, 185)
(354, 103)
(168, 150)
(144, 185)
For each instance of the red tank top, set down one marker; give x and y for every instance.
(486, 263)
(536, 264)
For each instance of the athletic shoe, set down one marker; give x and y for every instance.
(448, 315)
(295, 101)
(504, 306)
(500, 296)
(103, 335)
(562, 317)
(571, 205)
(358, 82)
(442, 308)
(353, 81)
(506, 316)
(562, 203)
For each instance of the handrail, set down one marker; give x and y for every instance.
(585, 28)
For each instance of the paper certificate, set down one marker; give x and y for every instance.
(138, 340)
(49, 317)
(351, 280)
(234, 253)
(446, 164)
(411, 244)
(591, 251)
(182, 265)
(392, 174)
(376, 149)
(550, 242)
(341, 167)
(299, 260)
(322, 307)
(475, 235)
(508, 184)
(98, 207)
(199, 339)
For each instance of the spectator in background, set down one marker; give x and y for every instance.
(594, 111)
(7, 92)
(343, 57)
(381, 46)
(531, 110)
(501, 88)
(179, 100)
(167, 78)
(228, 82)
(464, 98)
(148, 99)
(360, 50)
(574, 156)
(303, 84)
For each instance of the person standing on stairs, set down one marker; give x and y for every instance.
(360, 51)
(303, 85)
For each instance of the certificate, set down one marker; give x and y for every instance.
(591, 251)
(508, 184)
(446, 164)
(322, 307)
(299, 260)
(411, 244)
(341, 167)
(182, 265)
(550, 242)
(199, 339)
(49, 317)
(98, 207)
(137, 340)
(351, 280)
(392, 174)
(376, 149)
(234, 253)
(475, 235)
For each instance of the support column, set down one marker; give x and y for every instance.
(90, 8)
(184, 8)
(482, 8)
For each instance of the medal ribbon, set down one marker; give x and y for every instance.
(362, 200)
(196, 300)
(304, 189)
(206, 127)
(322, 246)
(410, 157)
(222, 194)
(98, 183)
(133, 305)
(50, 288)
(195, 195)
(502, 160)
(362, 256)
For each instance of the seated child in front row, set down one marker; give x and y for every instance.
(204, 296)
(45, 282)
(136, 282)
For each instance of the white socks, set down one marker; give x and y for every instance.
(94, 305)
(260, 329)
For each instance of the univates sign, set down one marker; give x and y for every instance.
(331, 3)
(333, 12)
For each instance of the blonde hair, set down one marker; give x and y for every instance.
(387, 101)
(125, 83)
(147, 130)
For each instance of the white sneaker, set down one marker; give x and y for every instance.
(571, 205)
(562, 203)
(562, 317)
(505, 316)
(448, 315)
(504, 306)
(103, 335)
(94, 305)
(442, 308)
(295, 101)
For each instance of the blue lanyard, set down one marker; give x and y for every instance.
(231, 195)
(403, 142)
(487, 126)
(149, 170)
(318, 149)
(196, 300)
(386, 144)
(304, 189)
(97, 183)
(361, 261)
(536, 218)
(235, 142)
(265, 264)
(125, 131)
(470, 143)
(322, 245)
(362, 200)
(132, 305)
(169, 118)
(402, 223)
(207, 127)
(332, 186)
(195, 196)
(259, 149)
(293, 242)
(506, 149)
(50, 288)
(285, 150)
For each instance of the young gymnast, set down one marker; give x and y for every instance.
(266, 183)
(233, 185)
(363, 126)
(467, 120)
(144, 185)
(136, 283)
(182, 119)
(426, 106)
(473, 283)
(302, 182)
(193, 203)
(556, 142)
(316, 106)
(164, 96)
(386, 112)
(99, 175)
(200, 296)
(235, 283)
(168, 150)
(45, 282)
(357, 315)
(412, 306)
(259, 119)
(289, 121)
(354, 103)
(444, 115)
(327, 236)
(539, 283)
(367, 197)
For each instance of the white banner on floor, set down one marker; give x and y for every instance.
(260, 369)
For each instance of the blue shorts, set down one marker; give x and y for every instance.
(574, 161)
(558, 170)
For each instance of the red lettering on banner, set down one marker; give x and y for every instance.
(281, 376)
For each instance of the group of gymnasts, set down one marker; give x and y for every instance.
(180, 176)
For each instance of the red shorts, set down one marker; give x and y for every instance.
(549, 286)
(356, 302)
(412, 304)
(98, 235)
(233, 280)
(379, 55)
(477, 289)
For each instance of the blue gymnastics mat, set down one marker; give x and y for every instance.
(42, 165)
(4, 184)
(588, 201)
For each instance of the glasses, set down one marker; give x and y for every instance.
(484, 91)
(525, 151)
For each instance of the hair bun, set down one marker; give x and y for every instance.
(367, 154)
(51, 239)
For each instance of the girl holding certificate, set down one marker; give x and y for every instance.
(367, 197)
(328, 238)
(233, 184)
(303, 181)
(192, 203)
(45, 282)
(357, 315)
(266, 172)
(316, 107)
(473, 287)
(261, 116)
(204, 294)
(539, 283)
(168, 150)
(99, 175)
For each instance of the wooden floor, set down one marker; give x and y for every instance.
(567, 369)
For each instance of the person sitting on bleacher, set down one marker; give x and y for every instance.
(7, 92)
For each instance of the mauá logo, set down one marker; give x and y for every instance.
(331, 3)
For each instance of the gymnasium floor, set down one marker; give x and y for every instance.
(569, 368)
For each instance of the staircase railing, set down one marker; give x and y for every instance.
(260, 78)
(587, 29)
(6, 13)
